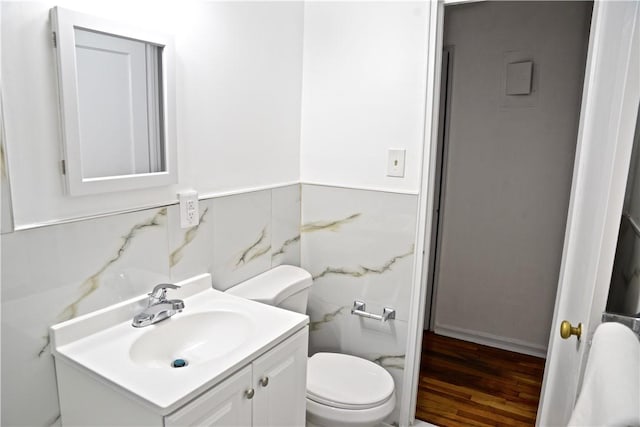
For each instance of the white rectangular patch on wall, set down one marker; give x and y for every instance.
(519, 78)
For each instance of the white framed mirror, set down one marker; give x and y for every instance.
(117, 102)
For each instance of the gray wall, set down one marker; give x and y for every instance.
(509, 168)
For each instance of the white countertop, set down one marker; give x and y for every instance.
(100, 342)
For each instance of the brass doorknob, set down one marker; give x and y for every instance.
(566, 330)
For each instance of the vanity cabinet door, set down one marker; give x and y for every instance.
(280, 382)
(226, 405)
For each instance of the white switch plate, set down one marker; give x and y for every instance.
(395, 165)
(189, 210)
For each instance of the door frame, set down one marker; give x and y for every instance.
(621, 153)
(431, 257)
(435, 33)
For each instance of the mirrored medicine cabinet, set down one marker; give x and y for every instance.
(117, 102)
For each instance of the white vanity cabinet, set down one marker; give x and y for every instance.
(280, 384)
(269, 392)
(246, 364)
(225, 405)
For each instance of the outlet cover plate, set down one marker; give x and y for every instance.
(395, 165)
(189, 209)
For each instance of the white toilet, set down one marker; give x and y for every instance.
(342, 390)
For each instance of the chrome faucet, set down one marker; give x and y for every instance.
(159, 307)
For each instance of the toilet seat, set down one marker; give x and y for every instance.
(347, 382)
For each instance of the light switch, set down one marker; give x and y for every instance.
(189, 209)
(395, 166)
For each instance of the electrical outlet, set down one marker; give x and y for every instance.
(395, 165)
(189, 209)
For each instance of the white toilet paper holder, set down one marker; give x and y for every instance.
(359, 309)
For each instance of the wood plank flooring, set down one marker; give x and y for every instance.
(467, 384)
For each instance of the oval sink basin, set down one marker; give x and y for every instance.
(195, 338)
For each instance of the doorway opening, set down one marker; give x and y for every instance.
(511, 86)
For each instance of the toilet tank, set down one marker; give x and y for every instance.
(285, 286)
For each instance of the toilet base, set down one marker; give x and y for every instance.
(310, 424)
(319, 415)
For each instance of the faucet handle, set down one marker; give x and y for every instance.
(160, 291)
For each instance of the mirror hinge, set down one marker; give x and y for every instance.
(54, 39)
(64, 167)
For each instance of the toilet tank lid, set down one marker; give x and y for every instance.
(274, 286)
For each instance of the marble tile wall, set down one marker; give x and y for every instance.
(55, 273)
(358, 244)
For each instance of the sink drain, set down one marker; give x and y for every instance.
(179, 363)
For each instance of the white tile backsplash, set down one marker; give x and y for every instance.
(55, 273)
(191, 249)
(241, 238)
(358, 244)
(285, 224)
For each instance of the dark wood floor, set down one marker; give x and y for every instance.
(467, 384)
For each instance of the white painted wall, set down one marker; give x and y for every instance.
(509, 169)
(364, 83)
(238, 77)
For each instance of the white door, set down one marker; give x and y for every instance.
(226, 405)
(280, 381)
(608, 115)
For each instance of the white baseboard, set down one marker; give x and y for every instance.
(491, 340)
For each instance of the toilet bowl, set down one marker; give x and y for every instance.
(347, 391)
(342, 390)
